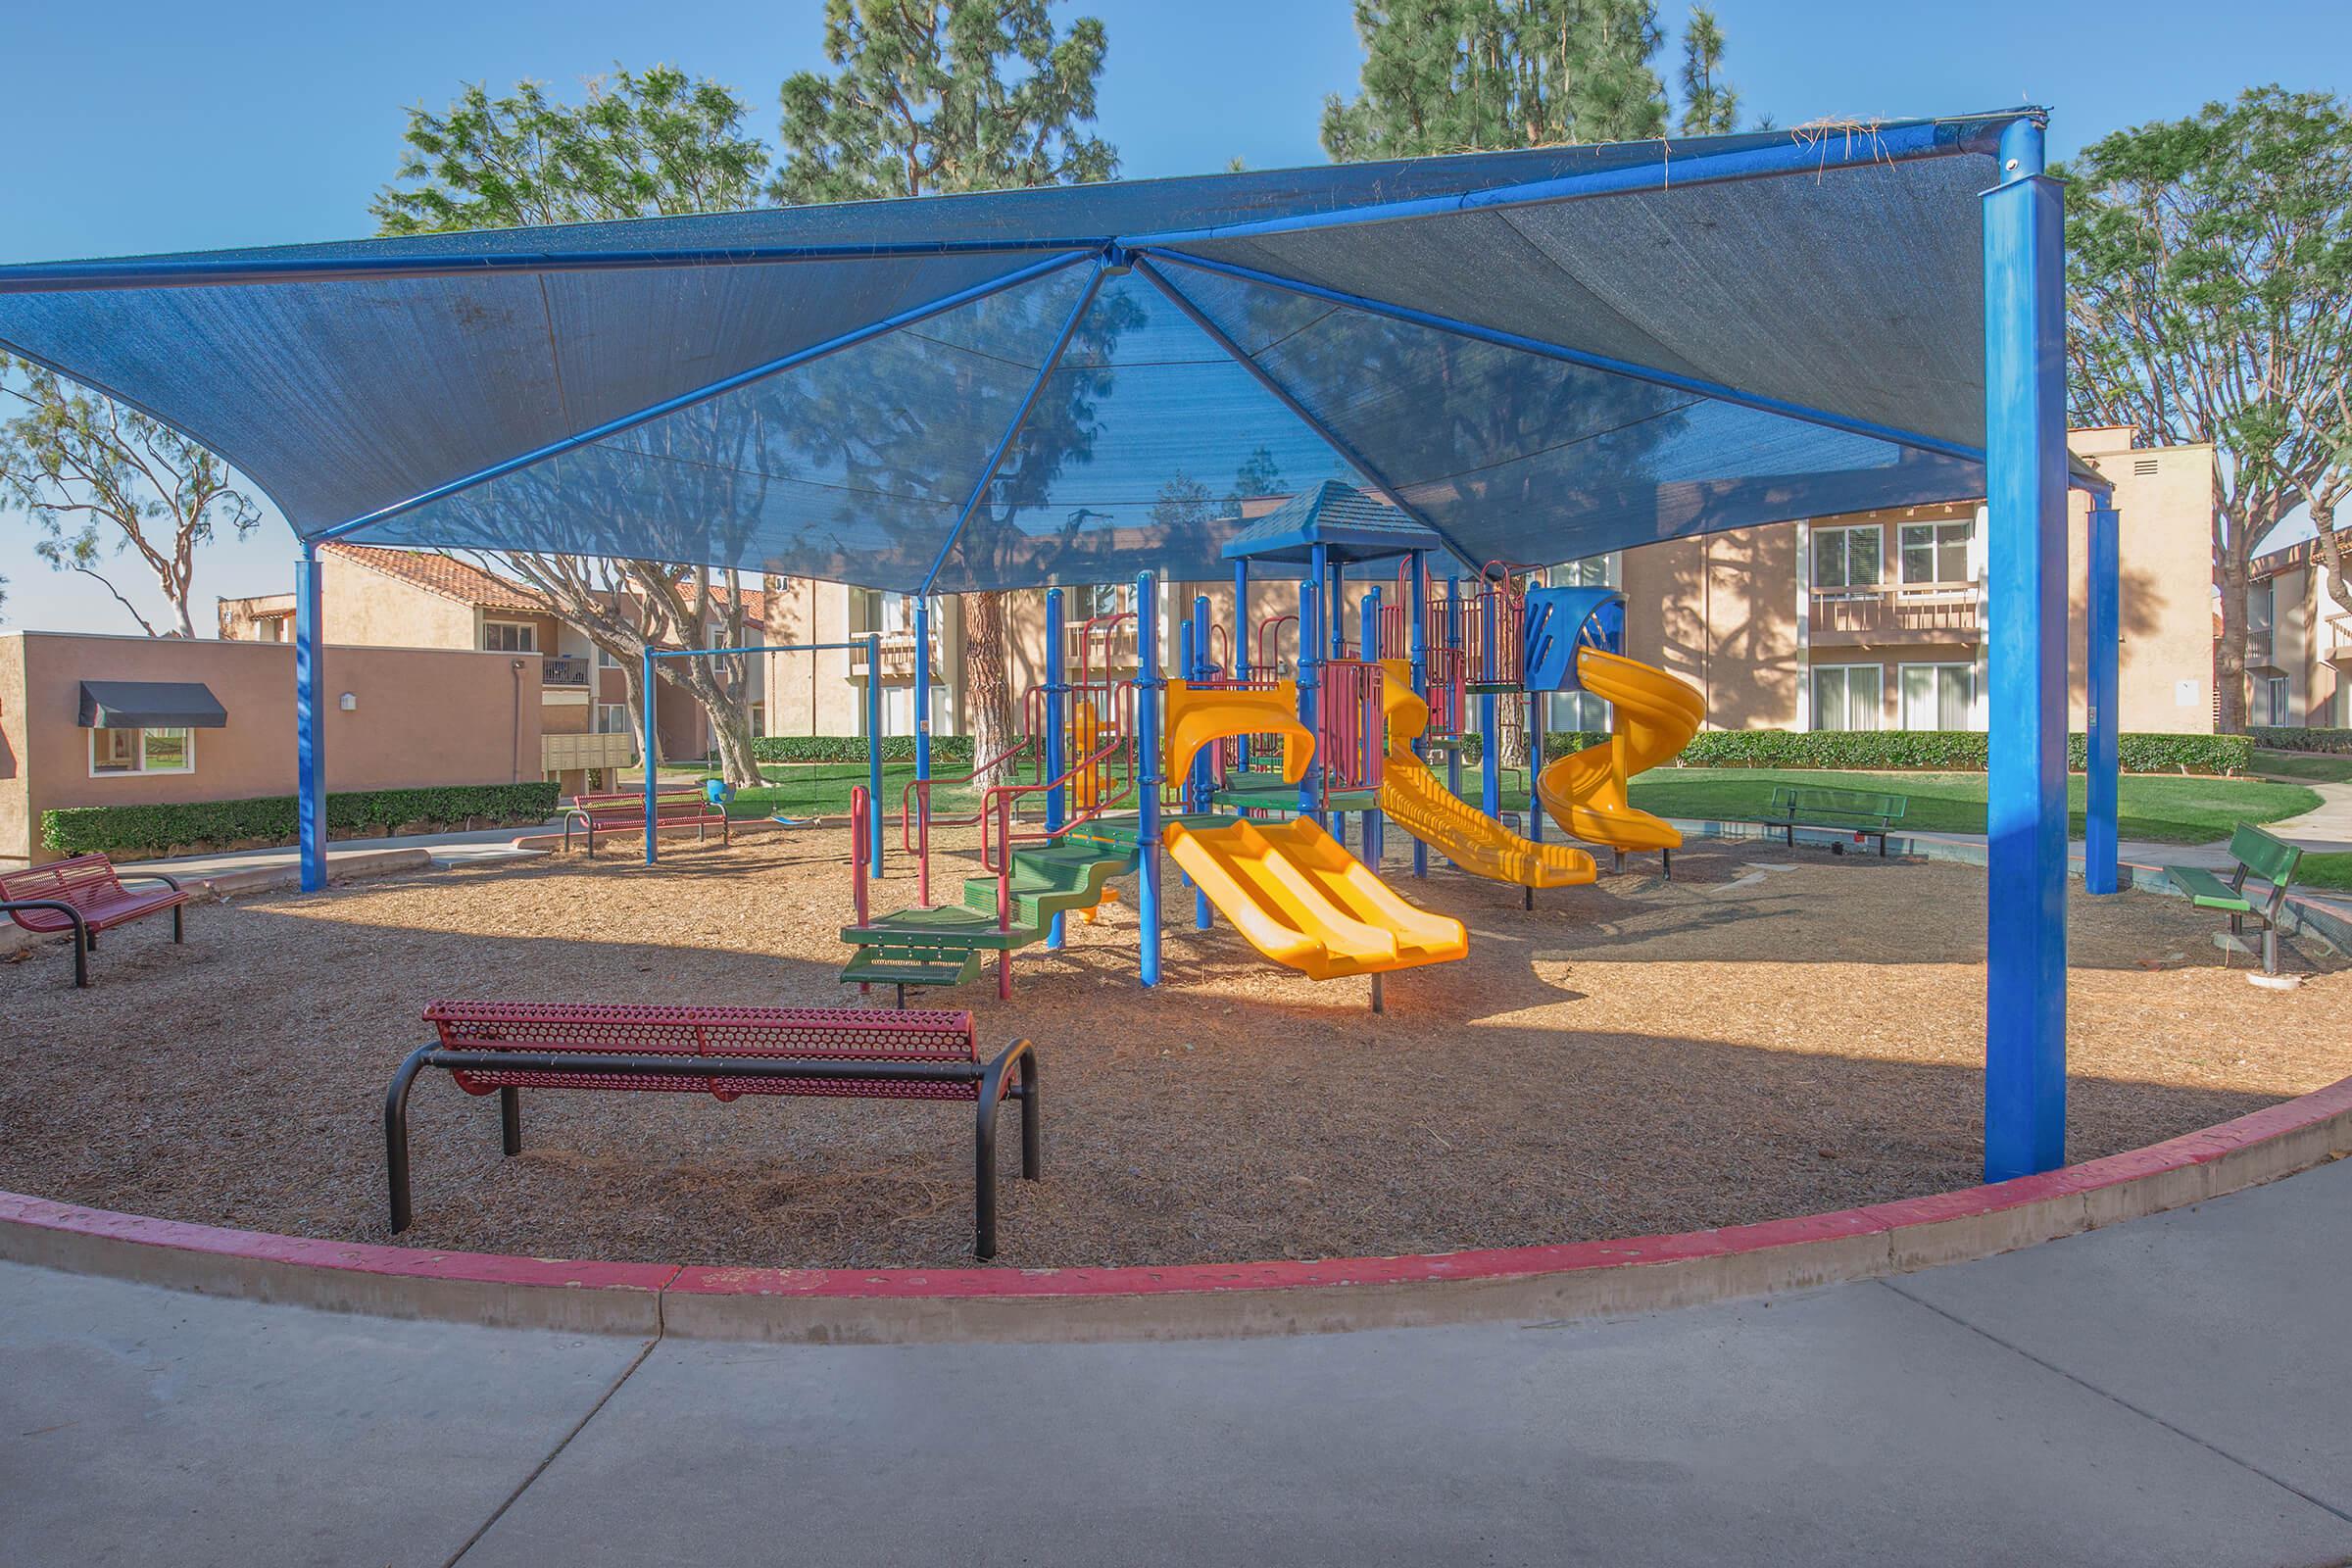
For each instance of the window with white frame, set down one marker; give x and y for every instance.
(1933, 551)
(605, 658)
(1091, 598)
(1847, 695)
(1937, 696)
(611, 719)
(1592, 572)
(510, 637)
(120, 751)
(1846, 558)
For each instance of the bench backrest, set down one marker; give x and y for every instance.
(831, 1034)
(76, 881)
(625, 802)
(1824, 801)
(2270, 859)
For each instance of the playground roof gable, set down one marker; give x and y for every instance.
(1534, 356)
(1349, 524)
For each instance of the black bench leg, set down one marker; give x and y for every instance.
(509, 1119)
(84, 939)
(984, 1179)
(179, 926)
(396, 1135)
(2269, 949)
(1032, 1140)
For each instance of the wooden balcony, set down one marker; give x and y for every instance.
(898, 652)
(1907, 611)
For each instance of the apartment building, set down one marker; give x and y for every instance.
(413, 599)
(2298, 642)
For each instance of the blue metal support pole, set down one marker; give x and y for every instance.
(1416, 608)
(1333, 604)
(873, 753)
(1490, 749)
(1147, 774)
(2100, 874)
(1310, 661)
(1375, 735)
(1203, 783)
(650, 756)
(922, 688)
(1241, 648)
(1454, 640)
(2025, 430)
(1056, 698)
(310, 722)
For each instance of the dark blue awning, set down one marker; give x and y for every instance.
(150, 704)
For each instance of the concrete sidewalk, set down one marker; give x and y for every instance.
(2169, 1390)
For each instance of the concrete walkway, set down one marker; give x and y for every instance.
(2168, 1391)
(2327, 830)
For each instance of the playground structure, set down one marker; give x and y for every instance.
(1126, 768)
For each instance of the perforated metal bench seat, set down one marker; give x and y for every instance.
(84, 895)
(900, 1053)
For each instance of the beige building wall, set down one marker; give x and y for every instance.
(2164, 499)
(421, 717)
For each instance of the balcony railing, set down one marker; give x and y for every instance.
(1904, 606)
(568, 671)
(897, 655)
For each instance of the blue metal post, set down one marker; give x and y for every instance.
(649, 754)
(2099, 869)
(1147, 774)
(1332, 603)
(1375, 735)
(2025, 427)
(1310, 792)
(310, 727)
(922, 687)
(1490, 751)
(873, 751)
(1417, 603)
(1057, 697)
(1240, 646)
(1202, 783)
(1454, 640)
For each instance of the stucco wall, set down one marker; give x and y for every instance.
(423, 716)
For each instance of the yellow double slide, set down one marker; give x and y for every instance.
(1290, 888)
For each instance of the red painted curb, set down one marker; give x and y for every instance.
(2183, 1153)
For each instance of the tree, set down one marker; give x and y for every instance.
(932, 96)
(660, 143)
(2209, 298)
(2325, 493)
(1455, 76)
(101, 481)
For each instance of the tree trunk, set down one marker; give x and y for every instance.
(632, 675)
(181, 625)
(2230, 654)
(2332, 550)
(987, 669)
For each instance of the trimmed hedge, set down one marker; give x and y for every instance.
(2302, 740)
(1944, 750)
(945, 749)
(273, 819)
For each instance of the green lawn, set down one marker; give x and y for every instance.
(2332, 872)
(2326, 767)
(823, 789)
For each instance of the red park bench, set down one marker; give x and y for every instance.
(623, 811)
(85, 896)
(724, 1052)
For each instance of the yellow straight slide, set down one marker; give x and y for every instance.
(1417, 801)
(1307, 904)
(1657, 716)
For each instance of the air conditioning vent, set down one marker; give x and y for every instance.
(2143, 467)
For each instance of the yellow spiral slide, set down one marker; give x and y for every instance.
(1657, 716)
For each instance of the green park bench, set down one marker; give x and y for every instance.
(2257, 855)
(1865, 813)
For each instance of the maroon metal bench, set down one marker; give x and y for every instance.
(85, 896)
(623, 811)
(724, 1052)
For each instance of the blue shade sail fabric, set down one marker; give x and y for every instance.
(1539, 355)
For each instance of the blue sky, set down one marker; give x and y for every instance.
(153, 125)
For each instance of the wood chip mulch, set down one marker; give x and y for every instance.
(1771, 1033)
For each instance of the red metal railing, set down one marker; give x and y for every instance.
(1270, 628)
(1348, 727)
(915, 818)
(861, 809)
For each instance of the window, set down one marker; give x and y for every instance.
(269, 629)
(611, 719)
(1592, 572)
(510, 637)
(141, 751)
(1845, 557)
(1934, 552)
(605, 658)
(2270, 700)
(1937, 696)
(1846, 696)
(1091, 598)
(2259, 604)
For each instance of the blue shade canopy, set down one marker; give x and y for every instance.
(1536, 356)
